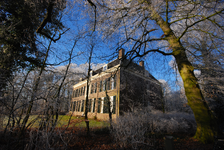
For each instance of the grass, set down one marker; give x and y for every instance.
(63, 121)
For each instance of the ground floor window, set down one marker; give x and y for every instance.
(78, 106)
(82, 105)
(102, 105)
(105, 105)
(113, 104)
(93, 105)
(89, 105)
(99, 105)
(75, 106)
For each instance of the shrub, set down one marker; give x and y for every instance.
(138, 129)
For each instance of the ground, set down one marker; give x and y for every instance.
(99, 138)
(104, 141)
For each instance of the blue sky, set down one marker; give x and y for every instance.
(156, 64)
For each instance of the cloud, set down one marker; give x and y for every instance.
(162, 81)
(197, 73)
(82, 68)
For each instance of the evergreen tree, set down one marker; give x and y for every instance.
(21, 24)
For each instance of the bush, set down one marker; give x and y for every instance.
(138, 129)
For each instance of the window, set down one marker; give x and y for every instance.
(108, 84)
(112, 83)
(71, 106)
(102, 102)
(114, 105)
(95, 89)
(92, 88)
(74, 105)
(93, 105)
(99, 105)
(104, 67)
(82, 105)
(83, 90)
(78, 106)
(89, 105)
(115, 79)
(91, 73)
(111, 104)
(105, 105)
(101, 84)
(76, 93)
(104, 84)
(79, 91)
(73, 93)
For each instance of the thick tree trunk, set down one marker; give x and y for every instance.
(203, 116)
(206, 127)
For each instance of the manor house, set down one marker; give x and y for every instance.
(125, 84)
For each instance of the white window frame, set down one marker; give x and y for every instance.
(102, 103)
(104, 85)
(92, 101)
(91, 73)
(111, 103)
(112, 83)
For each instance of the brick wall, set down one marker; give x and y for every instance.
(137, 90)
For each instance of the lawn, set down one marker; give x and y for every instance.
(63, 121)
(80, 122)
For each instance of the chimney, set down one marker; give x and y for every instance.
(141, 63)
(121, 53)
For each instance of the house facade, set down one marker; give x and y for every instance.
(121, 85)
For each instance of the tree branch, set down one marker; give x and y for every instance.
(167, 7)
(46, 19)
(93, 5)
(199, 22)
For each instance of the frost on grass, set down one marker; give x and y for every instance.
(138, 129)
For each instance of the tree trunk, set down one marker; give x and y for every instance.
(206, 127)
(203, 116)
(87, 90)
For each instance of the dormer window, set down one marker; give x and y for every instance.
(91, 73)
(104, 67)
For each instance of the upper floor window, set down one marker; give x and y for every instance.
(104, 84)
(79, 94)
(76, 93)
(83, 90)
(92, 88)
(101, 86)
(104, 67)
(113, 82)
(73, 93)
(108, 84)
(95, 89)
(91, 73)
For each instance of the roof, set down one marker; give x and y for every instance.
(126, 64)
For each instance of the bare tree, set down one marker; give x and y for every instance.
(209, 63)
(141, 24)
(87, 87)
